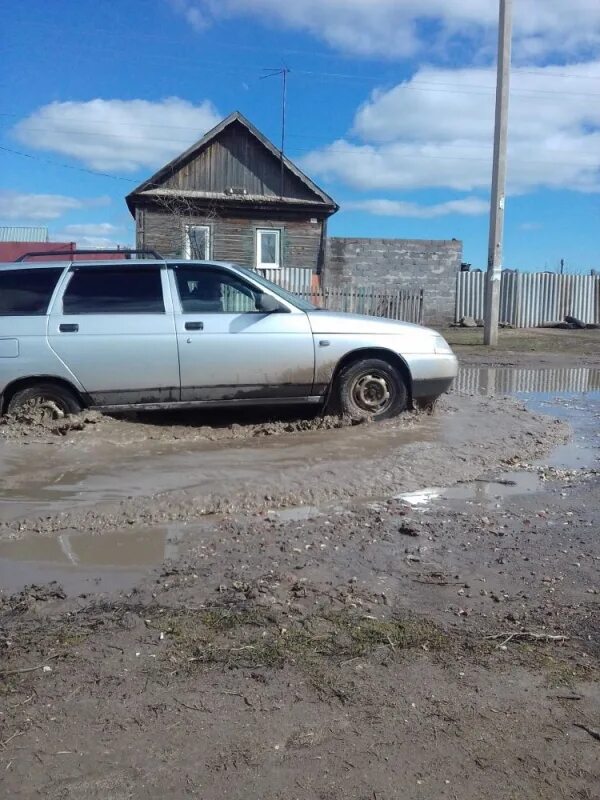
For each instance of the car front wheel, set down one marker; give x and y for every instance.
(44, 401)
(372, 388)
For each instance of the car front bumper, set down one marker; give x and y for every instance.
(432, 374)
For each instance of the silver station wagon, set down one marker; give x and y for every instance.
(152, 333)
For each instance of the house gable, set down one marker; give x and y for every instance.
(234, 162)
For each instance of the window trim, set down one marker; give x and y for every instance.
(107, 268)
(187, 245)
(266, 265)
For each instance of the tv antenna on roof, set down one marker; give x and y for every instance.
(272, 73)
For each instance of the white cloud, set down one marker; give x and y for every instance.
(118, 135)
(30, 207)
(470, 206)
(418, 136)
(92, 242)
(530, 226)
(192, 13)
(91, 229)
(401, 28)
(94, 235)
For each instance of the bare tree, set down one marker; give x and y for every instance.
(192, 223)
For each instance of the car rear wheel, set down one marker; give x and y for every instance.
(372, 388)
(44, 401)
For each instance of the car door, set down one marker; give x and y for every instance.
(113, 327)
(230, 350)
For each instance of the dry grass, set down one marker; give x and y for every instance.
(251, 639)
(539, 340)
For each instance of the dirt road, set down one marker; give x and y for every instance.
(308, 609)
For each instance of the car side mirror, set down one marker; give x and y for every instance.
(267, 304)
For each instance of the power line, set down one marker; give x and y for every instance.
(314, 138)
(66, 166)
(356, 153)
(409, 84)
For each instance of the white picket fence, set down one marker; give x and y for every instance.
(531, 299)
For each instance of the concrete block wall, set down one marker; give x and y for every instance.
(399, 263)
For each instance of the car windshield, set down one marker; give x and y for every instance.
(289, 297)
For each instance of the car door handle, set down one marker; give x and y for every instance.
(194, 326)
(71, 327)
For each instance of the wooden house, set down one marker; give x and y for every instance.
(233, 196)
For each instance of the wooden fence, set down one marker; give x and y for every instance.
(406, 306)
(403, 305)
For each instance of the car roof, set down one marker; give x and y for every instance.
(122, 262)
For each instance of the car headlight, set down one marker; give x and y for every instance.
(441, 346)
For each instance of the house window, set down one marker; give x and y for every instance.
(197, 242)
(268, 248)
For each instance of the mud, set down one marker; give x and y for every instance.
(132, 427)
(407, 610)
(96, 482)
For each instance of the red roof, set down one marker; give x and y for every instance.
(10, 251)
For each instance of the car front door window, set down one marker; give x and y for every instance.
(230, 347)
(212, 291)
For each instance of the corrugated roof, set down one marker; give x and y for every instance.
(14, 233)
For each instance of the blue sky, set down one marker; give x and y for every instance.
(390, 110)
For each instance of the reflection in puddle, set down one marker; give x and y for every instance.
(509, 484)
(420, 498)
(572, 394)
(84, 562)
(295, 513)
(490, 381)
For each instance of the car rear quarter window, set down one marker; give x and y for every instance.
(27, 291)
(136, 290)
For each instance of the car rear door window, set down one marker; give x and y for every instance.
(136, 290)
(27, 291)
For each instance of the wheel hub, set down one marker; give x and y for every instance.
(371, 392)
(44, 409)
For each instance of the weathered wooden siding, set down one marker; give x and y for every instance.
(236, 161)
(232, 238)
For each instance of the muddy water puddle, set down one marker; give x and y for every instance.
(83, 563)
(38, 480)
(45, 480)
(41, 480)
(481, 491)
(569, 394)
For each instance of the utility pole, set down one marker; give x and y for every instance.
(494, 270)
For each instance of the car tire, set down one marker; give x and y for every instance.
(372, 388)
(52, 400)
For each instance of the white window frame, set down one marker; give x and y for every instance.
(262, 264)
(187, 245)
